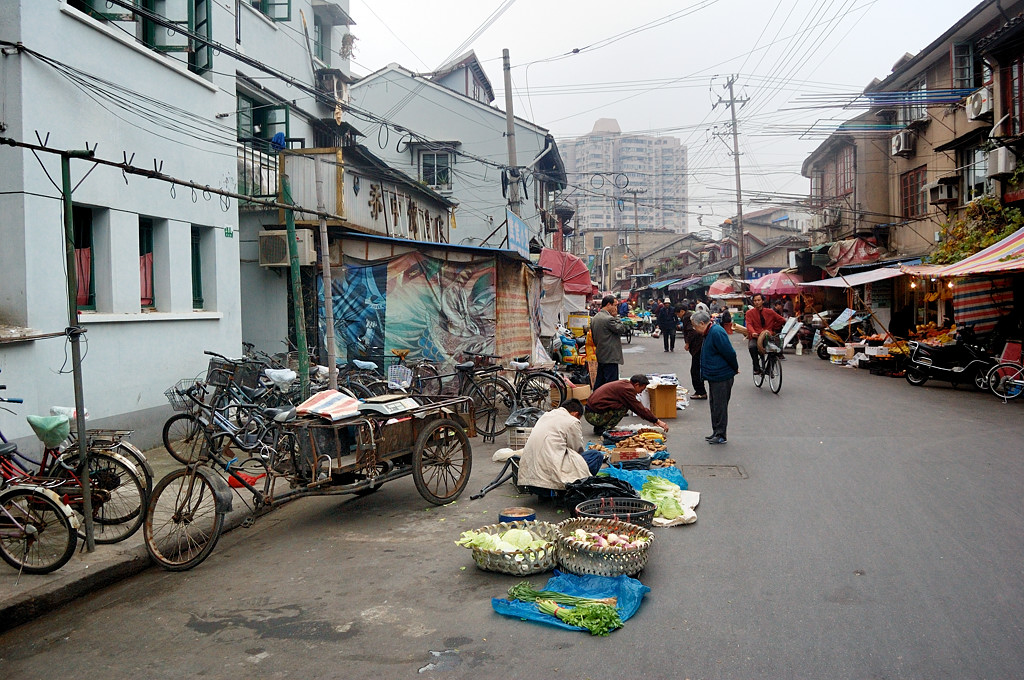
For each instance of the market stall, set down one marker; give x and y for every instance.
(565, 286)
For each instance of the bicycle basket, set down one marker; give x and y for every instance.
(399, 377)
(247, 374)
(219, 372)
(176, 394)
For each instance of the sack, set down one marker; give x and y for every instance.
(597, 487)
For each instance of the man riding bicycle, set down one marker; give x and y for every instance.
(758, 320)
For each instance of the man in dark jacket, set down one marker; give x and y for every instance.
(718, 365)
(667, 323)
(607, 330)
(693, 341)
(612, 401)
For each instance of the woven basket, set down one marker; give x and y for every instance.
(582, 559)
(521, 562)
(631, 510)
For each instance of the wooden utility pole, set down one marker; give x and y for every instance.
(736, 161)
(510, 134)
(297, 302)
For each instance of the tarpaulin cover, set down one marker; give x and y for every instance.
(636, 478)
(629, 592)
(570, 269)
(1005, 256)
(982, 302)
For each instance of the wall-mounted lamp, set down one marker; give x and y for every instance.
(949, 285)
(913, 284)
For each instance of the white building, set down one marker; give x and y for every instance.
(610, 165)
(456, 144)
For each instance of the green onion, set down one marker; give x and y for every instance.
(599, 619)
(525, 592)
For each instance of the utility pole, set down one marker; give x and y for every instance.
(736, 161)
(636, 230)
(510, 135)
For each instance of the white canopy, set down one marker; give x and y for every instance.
(858, 279)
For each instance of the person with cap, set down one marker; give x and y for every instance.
(610, 403)
(607, 331)
(667, 323)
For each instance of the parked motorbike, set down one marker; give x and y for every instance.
(964, 362)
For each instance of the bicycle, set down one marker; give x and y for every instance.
(38, 533)
(1006, 380)
(421, 377)
(536, 387)
(770, 364)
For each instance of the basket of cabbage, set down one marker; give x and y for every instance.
(518, 548)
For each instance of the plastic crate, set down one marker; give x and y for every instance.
(517, 436)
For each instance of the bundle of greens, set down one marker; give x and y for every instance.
(599, 619)
(513, 540)
(525, 592)
(664, 494)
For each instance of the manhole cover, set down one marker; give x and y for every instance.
(724, 471)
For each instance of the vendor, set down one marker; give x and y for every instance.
(613, 400)
(553, 455)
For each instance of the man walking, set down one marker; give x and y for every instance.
(692, 342)
(607, 329)
(758, 320)
(667, 323)
(718, 365)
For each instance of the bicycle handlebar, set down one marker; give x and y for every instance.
(12, 400)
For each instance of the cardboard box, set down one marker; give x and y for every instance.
(663, 400)
(618, 455)
(581, 392)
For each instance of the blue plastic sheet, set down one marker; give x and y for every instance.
(629, 591)
(636, 478)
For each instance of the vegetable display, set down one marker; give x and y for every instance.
(513, 540)
(664, 494)
(525, 592)
(608, 540)
(599, 619)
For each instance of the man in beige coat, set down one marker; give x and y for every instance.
(551, 458)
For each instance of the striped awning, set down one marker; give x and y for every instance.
(1005, 256)
(982, 302)
(685, 283)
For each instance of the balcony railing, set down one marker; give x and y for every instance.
(257, 168)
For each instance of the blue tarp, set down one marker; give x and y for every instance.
(636, 478)
(629, 591)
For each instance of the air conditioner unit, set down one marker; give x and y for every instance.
(832, 217)
(1001, 162)
(903, 143)
(621, 275)
(274, 248)
(979, 104)
(941, 193)
(622, 241)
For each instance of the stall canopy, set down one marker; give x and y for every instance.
(685, 283)
(725, 287)
(858, 279)
(657, 285)
(780, 283)
(566, 285)
(1002, 257)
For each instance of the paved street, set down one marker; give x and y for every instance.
(868, 529)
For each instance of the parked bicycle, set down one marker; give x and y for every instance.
(1006, 380)
(536, 387)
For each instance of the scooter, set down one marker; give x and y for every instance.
(965, 362)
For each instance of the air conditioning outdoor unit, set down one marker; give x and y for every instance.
(622, 241)
(942, 193)
(1001, 162)
(979, 104)
(831, 217)
(621, 275)
(274, 248)
(903, 143)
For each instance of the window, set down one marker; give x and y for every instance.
(256, 120)
(817, 197)
(974, 161)
(318, 38)
(146, 262)
(276, 10)
(844, 171)
(914, 102)
(435, 170)
(194, 16)
(84, 266)
(598, 242)
(913, 202)
(197, 268)
(1013, 98)
(969, 70)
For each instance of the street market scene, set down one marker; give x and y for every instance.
(331, 363)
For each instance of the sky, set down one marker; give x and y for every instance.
(659, 67)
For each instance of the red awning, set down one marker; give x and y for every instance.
(780, 283)
(570, 269)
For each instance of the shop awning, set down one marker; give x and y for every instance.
(1005, 256)
(858, 279)
(570, 269)
(661, 284)
(685, 283)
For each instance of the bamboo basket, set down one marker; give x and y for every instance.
(520, 562)
(583, 559)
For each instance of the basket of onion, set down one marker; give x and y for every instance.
(602, 547)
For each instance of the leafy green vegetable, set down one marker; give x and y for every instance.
(525, 592)
(520, 538)
(662, 493)
(599, 619)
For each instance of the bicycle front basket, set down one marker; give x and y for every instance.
(220, 371)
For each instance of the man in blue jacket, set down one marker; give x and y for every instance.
(718, 365)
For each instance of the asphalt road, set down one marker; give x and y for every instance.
(853, 527)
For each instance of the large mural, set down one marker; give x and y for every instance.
(437, 309)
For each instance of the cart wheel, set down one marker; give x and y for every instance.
(442, 460)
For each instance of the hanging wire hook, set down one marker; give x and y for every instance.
(174, 194)
(127, 162)
(206, 193)
(225, 203)
(195, 196)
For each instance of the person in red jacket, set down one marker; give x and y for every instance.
(759, 319)
(613, 400)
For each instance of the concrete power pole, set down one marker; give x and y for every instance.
(636, 230)
(736, 160)
(510, 134)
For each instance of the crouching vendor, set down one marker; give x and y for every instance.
(552, 456)
(612, 401)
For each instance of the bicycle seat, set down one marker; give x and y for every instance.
(365, 365)
(465, 366)
(281, 377)
(280, 415)
(51, 430)
(519, 365)
(401, 353)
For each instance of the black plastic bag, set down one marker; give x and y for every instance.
(597, 487)
(524, 417)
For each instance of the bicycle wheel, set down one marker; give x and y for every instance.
(427, 379)
(36, 535)
(759, 374)
(119, 499)
(1006, 380)
(541, 390)
(493, 402)
(182, 523)
(442, 461)
(184, 438)
(774, 373)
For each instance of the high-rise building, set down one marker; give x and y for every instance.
(611, 170)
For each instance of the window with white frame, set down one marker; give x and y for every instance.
(435, 169)
(974, 161)
(915, 105)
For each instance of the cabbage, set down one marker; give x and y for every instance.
(512, 540)
(520, 538)
(664, 494)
